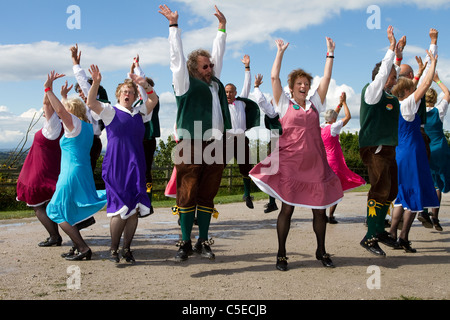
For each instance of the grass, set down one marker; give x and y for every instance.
(220, 199)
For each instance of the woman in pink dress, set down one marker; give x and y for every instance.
(37, 179)
(297, 171)
(331, 129)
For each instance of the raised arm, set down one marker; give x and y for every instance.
(325, 82)
(92, 101)
(277, 88)
(47, 107)
(150, 99)
(343, 103)
(442, 86)
(219, 44)
(56, 104)
(375, 89)
(247, 78)
(428, 79)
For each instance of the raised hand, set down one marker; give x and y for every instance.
(76, 56)
(433, 35)
(52, 77)
(95, 74)
(258, 80)
(220, 16)
(330, 45)
(65, 90)
(246, 60)
(169, 14)
(391, 37)
(281, 46)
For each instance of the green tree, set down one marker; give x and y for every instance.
(163, 155)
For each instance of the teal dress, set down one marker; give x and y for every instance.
(75, 198)
(440, 151)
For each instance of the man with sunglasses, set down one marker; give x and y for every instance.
(202, 108)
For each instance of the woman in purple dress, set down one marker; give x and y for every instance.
(124, 162)
(297, 171)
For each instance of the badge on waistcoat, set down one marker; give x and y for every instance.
(296, 106)
(389, 107)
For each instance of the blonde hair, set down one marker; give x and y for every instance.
(403, 85)
(130, 84)
(431, 97)
(76, 107)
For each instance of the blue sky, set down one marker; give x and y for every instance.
(36, 39)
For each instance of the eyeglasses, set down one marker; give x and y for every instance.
(208, 65)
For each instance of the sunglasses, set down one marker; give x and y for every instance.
(208, 65)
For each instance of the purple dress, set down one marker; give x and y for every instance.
(124, 166)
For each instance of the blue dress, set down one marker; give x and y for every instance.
(440, 151)
(415, 185)
(75, 198)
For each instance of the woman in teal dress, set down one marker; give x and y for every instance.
(440, 151)
(75, 198)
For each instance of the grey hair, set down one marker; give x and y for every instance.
(330, 115)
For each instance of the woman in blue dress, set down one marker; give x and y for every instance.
(415, 185)
(124, 162)
(440, 151)
(75, 198)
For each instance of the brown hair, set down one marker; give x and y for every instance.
(127, 83)
(297, 73)
(192, 63)
(431, 96)
(403, 85)
(77, 107)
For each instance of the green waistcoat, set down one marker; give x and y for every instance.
(252, 114)
(379, 122)
(152, 128)
(196, 105)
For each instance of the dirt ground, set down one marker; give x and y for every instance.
(244, 268)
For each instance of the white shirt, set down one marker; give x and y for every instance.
(108, 113)
(442, 107)
(85, 86)
(336, 127)
(181, 75)
(283, 104)
(237, 108)
(263, 104)
(52, 127)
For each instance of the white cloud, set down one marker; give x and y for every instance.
(13, 128)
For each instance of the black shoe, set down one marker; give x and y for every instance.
(248, 201)
(332, 220)
(386, 239)
(49, 242)
(80, 256)
(128, 256)
(372, 246)
(114, 256)
(202, 247)
(270, 207)
(282, 263)
(406, 245)
(436, 224)
(424, 217)
(185, 250)
(325, 258)
(71, 252)
(86, 223)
